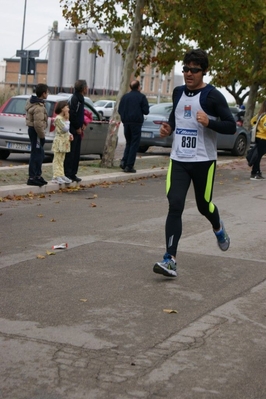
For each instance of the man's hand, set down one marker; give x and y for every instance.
(202, 118)
(165, 129)
(79, 131)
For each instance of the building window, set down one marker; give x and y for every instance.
(168, 86)
(142, 81)
(152, 84)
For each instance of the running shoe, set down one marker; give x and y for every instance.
(41, 179)
(58, 180)
(66, 179)
(34, 182)
(167, 267)
(76, 179)
(127, 169)
(223, 239)
(257, 176)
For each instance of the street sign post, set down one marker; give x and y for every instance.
(27, 63)
(21, 53)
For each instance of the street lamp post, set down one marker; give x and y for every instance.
(22, 44)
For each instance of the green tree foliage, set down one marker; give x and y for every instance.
(116, 19)
(233, 33)
(137, 27)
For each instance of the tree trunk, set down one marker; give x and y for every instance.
(128, 69)
(251, 103)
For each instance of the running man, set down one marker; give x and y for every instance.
(199, 111)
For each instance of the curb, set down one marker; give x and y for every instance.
(24, 189)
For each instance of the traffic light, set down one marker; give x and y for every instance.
(27, 66)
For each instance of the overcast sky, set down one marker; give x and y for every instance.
(40, 15)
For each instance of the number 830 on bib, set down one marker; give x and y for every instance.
(186, 142)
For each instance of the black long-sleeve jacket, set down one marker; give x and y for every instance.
(132, 107)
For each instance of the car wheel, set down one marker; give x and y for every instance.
(240, 146)
(143, 148)
(4, 154)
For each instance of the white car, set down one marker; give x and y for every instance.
(105, 108)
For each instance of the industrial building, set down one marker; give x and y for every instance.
(69, 59)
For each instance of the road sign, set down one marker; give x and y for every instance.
(28, 53)
(34, 53)
(27, 66)
(22, 53)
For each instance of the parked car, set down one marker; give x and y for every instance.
(105, 108)
(237, 143)
(14, 132)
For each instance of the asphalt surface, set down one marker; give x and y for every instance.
(93, 320)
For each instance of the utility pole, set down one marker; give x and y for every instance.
(22, 45)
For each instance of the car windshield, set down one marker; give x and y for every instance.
(100, 103)
(161, 108)
(16, 106)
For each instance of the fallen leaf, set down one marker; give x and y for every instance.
(40, 216)
(40, 257)
(170, 311)
(50, 253)
(93, 205)
(52, 220)
(83, 300)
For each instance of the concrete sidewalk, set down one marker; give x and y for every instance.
(13, 178)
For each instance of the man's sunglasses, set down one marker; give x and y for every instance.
(192, 70)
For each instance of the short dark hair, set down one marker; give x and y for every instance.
(59, 106)
(134, 85)
(198, 57)
(80, 85)
(40, 89)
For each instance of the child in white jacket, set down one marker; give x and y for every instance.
(61, 143)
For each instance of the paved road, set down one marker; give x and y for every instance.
(89, 321)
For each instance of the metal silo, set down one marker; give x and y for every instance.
(116, 73)
(71, 63)
(104, 67)
(68, 34)
(87, 63)
(55, 63)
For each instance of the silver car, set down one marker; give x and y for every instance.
(237, 143)
(14, 132)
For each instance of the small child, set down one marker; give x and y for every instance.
(61, 143)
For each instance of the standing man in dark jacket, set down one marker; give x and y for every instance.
(36, 120)
(76, 118)
(131, 109)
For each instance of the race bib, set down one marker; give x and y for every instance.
(186, 141)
